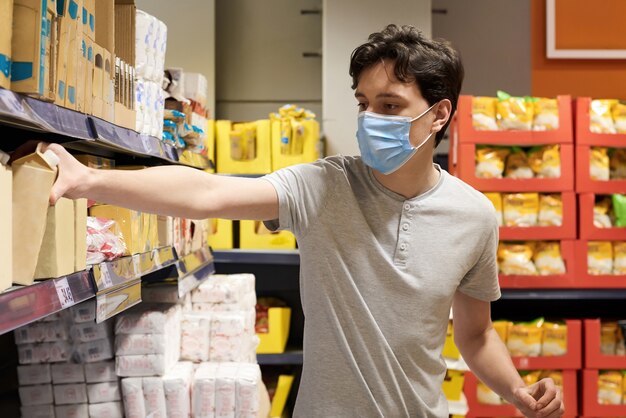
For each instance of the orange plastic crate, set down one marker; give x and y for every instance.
(589, 281)
(585, 137)
(594, 359)
(584, 183)
(590, 405)
(586, 227)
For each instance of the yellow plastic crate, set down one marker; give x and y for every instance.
(275, 341)
(262, 164)
(310, 149)
(453, 385)
(450, 349)
(222, 236)
(251, 240)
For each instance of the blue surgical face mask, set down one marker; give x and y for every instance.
(384, 140)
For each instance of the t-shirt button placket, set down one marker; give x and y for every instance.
(403, 247)
(405, 227)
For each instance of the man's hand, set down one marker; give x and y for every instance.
(72, 180)
(541, 400)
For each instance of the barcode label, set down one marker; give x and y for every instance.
(105, 276)
(64, 292)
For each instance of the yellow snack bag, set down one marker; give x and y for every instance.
(546, 114)
(517, 166)
(545, 161)
(619, 117)
(547, 258)
(520, 209)
(554, 339)
(516, 259)
(502, 328)
(236, 144)
(514, 113)
(525, 338)
(599, 257)
(617, 164)
(599, 164)
(608, 337)
(530, 378)
(601, 210)
(619, 257)
(600, 118)
(490, 162)
(496, 200)
(550, 210)
(486, 396)
(610, 388)
(484, 113)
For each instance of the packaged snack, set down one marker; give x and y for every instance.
(599, 167)
(520, 209)
(547, 258)
(619, 209)
(610, 388)
(516, 259)
(599, 257)
(517, 166)
(546, 114)
(545, 161)
(490, 162)
(486, 396)
(617, 163)
(496, 200)
(525, 338)
(484, 113)
(554, 339)
(514, 113)
(619, 117)
(502, 328)
(619, 257)
(608, 337)
(600, 119)
(550, 210)
(601, 210)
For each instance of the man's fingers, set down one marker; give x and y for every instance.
(552, 409)
(548, 391)
(526, 399)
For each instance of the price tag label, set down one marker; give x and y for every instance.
(105, 276)
(156, 259)
(64, 292)
(101, 309)
(137, 265)
(147, 144)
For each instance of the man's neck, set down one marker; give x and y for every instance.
(416, 177)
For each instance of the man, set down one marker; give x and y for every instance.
(388, 242)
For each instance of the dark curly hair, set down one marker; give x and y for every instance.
(433, 64)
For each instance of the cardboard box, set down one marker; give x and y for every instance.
(81, 74)
(105, 31)
(33, 177)
(80, 234)
(72, 54)
(89, 19)
(125, 30)
(98, 75)
(94, 161)
(33, 47)
(67, 13)
(89, 64)
(108, 88)
(56, 257)
(6, 225)
(6, 30)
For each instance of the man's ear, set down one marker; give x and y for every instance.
(443, 110)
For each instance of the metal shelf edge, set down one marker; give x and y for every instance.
(281, 257)
(289, 357)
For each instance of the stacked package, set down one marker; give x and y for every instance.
(79, 382)
(150, 46)
(221, 326)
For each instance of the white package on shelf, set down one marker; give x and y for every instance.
(38, 411)
(36, 395)
(134, 344)
(94, 351)
(225, 390)
(154, 397)
(248, 380)
(160, 49)
(142, 365)
(106, 410)
(43, 353)
(145, 28)
(195, 332)
(132, 394)
(196, 87)
(71, 411)
(70, 394)
(100, 372)
(84, 312)
(41, 332)
(215, 307)
(34, 374)
(227, 335)
(203, 391)
(147, 319)
(177, 388)
(90, 331)
(103, 392)
(220, 288)
(140, 104)
(67, 373)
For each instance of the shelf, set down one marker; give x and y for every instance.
(281, 257)
(289, 357)
(86, 133)
(564, 294)
(193, 269)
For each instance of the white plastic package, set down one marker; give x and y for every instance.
(70, 394)
(203, 391)
(100, 372)
(132, 393)
(154, 397)
(104, 392)
(177, 388)
(106, 410)
(147, 319)
(90, 331)
(134, 344)
(35, 374)
(67, 373)
(195, 331)
(41, 332)
(141, 365)
(94, 351)
(38, 411)
(36, 395)
(225, 390)
(71, 411)
(43, 353)
(248, 378)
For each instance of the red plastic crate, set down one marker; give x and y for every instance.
(542, 233)
(589, 281)
(590, 405)
(584, 183)
(477, 409)
(567, 280)
(464, 156)
(463, 129)
(585, 137)
(586, 227)
(594, 359)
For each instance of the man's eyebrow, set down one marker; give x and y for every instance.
(358, 94)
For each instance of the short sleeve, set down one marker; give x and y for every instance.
(481, 281)
(301, 191)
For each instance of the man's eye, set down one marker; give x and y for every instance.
(390, 106)
(362, 106)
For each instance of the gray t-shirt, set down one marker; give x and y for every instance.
(378, 273)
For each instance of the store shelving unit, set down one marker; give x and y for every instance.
(292, 356)
(281, 257)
